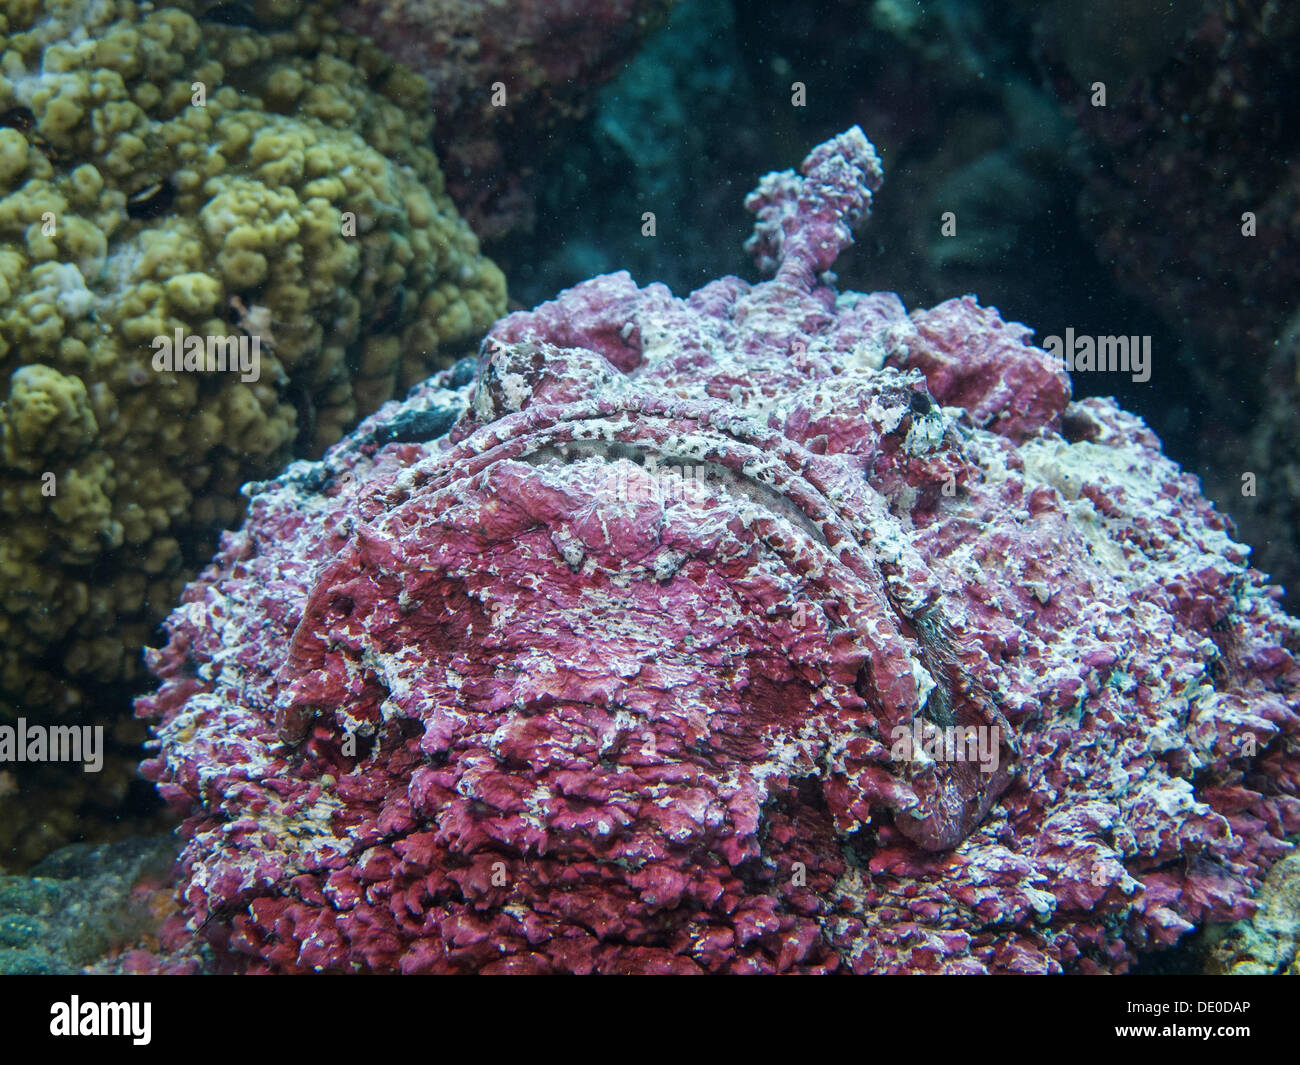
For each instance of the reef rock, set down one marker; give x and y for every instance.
(771, 629)
(503, 76)
(1269, 942)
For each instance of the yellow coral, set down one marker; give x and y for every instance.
(46, 414)
(13, 156)
(193, 295)
(294, 176)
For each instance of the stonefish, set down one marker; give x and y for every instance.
(770, 629)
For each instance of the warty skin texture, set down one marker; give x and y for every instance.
(607, 720)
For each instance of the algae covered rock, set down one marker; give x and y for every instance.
(164, 175)
(82, 903)
(1269, 942)
(505, 79)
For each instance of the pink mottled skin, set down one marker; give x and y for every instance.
(500, 701)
